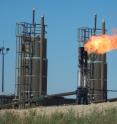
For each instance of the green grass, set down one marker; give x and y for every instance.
(104, 117)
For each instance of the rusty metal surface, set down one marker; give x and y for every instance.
(31, 59)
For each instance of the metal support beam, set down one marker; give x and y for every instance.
(42, 38)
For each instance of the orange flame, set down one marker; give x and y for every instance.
(101, 44)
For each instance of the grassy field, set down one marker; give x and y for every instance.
(96, 115)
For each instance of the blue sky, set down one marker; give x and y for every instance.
(63, 17)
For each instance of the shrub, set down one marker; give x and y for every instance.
(70, 117)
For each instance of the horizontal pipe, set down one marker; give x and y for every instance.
(62, 94)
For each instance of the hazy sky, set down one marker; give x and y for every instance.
(63, 17)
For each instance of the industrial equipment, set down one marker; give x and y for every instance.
(92, 68)
(31, 65)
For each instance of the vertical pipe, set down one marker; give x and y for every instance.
(95, 23)
(33, 16)
(103, 27)
(94, 31)
(85, 80)
(79, 78)
(2, 71)
(103, 59)
(42, 37)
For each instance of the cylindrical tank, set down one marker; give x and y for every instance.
(36, 85)
(35, 68)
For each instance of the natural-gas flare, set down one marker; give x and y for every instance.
(101, 44)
